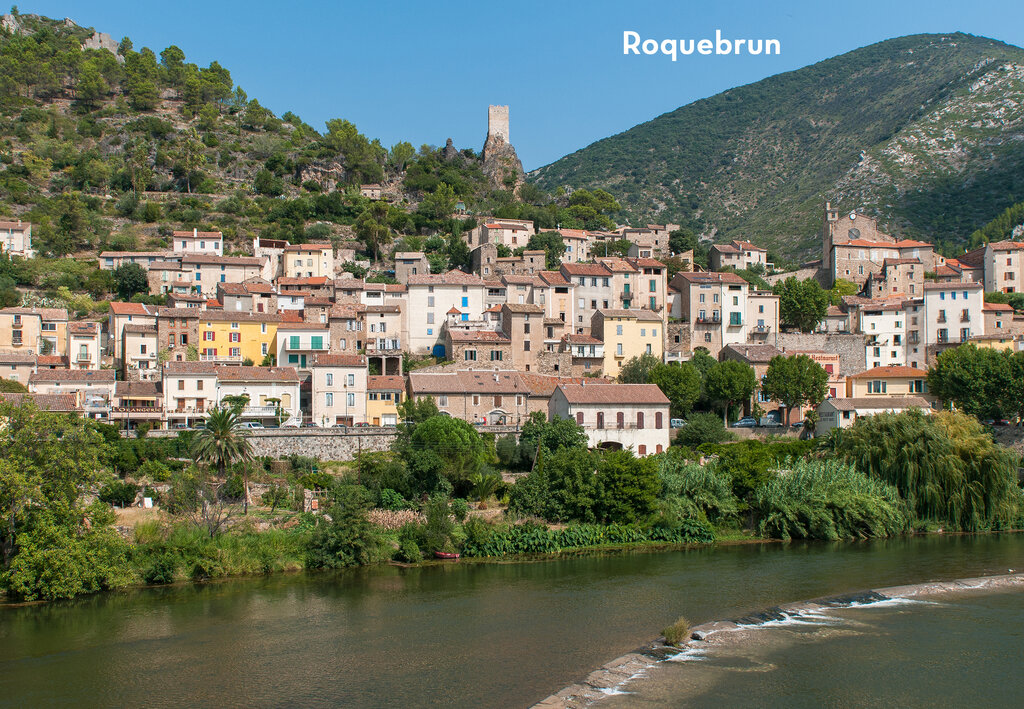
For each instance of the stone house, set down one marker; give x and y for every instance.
(627, 334)
(843, 413)
(94, 387)
(630, 416)
(523, 325)
(477, 396)
(739, 255)
(16, 238)
(84, 345)
(339, 389)
(410, 263)
(209, 243)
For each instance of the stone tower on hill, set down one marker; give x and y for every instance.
(501, 164)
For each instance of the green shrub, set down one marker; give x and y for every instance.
(677, 632)
(827, 499)
(162, 569)
(348, 539)
(409, 538)
(119, 492)
(702, 491)
(702, 428)
(233, 489)
(154, 471)
(460, 509)
(485, 540)
(391, 500)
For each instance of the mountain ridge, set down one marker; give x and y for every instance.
(759, 160)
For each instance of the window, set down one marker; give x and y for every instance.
(620, 420)
(430, 319)
(430, 301)
(579, 418)
(618, 330)
(734, 319)
(329, 399)
(496, 355)
(526, 346)
(330, 379)
(350, 399)
(618, 349)
(476, 400)
(470, 355)
(600, 419)
(643, 332)
(877, 387)
(181, 385)
(639, 419)
(442, 400)
(465, 302)
(316, 342)
(658, 420)
(351, 380)
(497, 399)
(199, 385)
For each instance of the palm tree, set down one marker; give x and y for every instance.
(222, 442)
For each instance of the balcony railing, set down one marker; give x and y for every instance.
(712, 319)
(761, 329)
(965, 316)
(258, 411)
(207, 357)
(83, 357)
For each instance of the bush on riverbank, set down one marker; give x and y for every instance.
(492, 540)
(677, 632)
(944, 465)
(828, 499)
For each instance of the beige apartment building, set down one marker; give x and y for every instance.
(309, 261)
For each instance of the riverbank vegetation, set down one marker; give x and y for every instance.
(71, 524)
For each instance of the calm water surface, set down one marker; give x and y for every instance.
(958, 651)
(481, 635)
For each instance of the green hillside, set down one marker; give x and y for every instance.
(115, 148)
(923, 131)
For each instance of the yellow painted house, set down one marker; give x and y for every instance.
(236, 337)
(627, 334)
(383, 395)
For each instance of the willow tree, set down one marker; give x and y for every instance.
(944, 465)
(222, 443)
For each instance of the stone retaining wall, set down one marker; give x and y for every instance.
(849, 347)
(328, 443)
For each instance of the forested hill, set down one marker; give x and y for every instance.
(924, 131)
(109, 146)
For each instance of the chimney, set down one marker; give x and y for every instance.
(195, 232)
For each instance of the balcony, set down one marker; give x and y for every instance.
(965, 316)
(761, 329)
(259, 411)
(384, 347)
(83, 357)
(626, 295)
(205, 357)
(713, 319)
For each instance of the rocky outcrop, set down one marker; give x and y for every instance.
(502, 166)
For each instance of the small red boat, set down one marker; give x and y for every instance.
(446, 555)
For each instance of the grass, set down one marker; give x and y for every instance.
(678, 632)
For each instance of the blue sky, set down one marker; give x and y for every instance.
(426, 71)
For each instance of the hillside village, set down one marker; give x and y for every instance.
(309, 328)
(307, 344)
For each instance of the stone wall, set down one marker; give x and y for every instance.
(849, 347)
(328, 443)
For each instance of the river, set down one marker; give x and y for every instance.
(462, 634)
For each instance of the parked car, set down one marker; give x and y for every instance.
(339, 425)
(310, 424)
(770, 420)
(676, 423)
(253, 424)
(745, 422)
(362, 424)
(797, 424)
